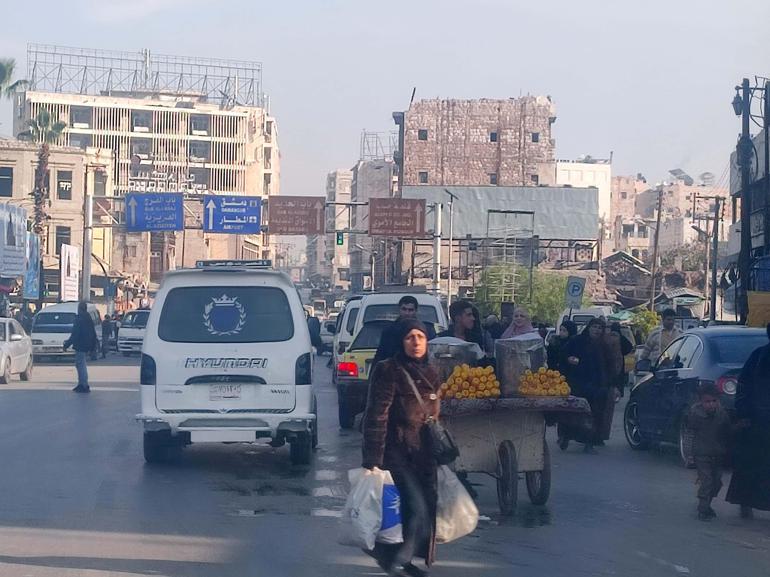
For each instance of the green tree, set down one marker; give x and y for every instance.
(548, 291)
(8, 86)
(645, 320)
(44, 131)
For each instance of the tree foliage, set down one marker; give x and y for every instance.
(548, 290)
(8, 86)
(645, 320)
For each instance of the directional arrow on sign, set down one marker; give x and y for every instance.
(210, 206)
(132, 211)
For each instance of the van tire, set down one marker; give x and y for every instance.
(5, 376)
(301, 450)
(157, 446)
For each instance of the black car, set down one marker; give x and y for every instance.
(663, 396)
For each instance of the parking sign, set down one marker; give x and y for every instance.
(574, 294)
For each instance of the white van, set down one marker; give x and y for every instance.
(227, 359)
(346, 323)
(53, 325)
(131, 331)
(384, 307)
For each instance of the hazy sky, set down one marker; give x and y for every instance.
(651, 81)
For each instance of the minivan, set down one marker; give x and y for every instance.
(53, 325)
(131, 331)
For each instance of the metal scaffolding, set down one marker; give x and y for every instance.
(68, 70)
(510, 244)
(378, 145)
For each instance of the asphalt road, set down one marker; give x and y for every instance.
(76, 499)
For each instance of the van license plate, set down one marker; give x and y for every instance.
(224, 392)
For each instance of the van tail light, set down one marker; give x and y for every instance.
(303, 369)
(147, 372)
(347, 370)
(727, 385)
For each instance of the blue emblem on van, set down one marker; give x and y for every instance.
(224, 316)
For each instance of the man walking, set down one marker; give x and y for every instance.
(83, 340)
(661, 336)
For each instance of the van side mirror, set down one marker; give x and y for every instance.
(643, 366)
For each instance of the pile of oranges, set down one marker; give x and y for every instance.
(544, 383)
(471, 383)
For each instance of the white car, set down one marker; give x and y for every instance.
(131, 331)
(384, 306)
(53, 325)
(15, 351)
(227, 358)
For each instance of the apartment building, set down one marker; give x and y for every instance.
(338, 190)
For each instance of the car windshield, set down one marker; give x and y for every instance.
(135, 320)
(735, 349)
(390, 312)
(369, 336)
(226, 314)
(53, 322)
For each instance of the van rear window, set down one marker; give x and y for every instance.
(226, 314)
(53, 322)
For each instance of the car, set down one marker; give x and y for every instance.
(227, 358)
(15, 351)
(384, 306)
(327, 337)
(53, 325)
(668, 387)
(353, 372)
(131, 332)
(343, 333)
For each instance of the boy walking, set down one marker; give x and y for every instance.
(710, 424)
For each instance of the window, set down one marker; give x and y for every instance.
(422, 177)
(493, 178)
(666, 359)
(199, 125)
(369, 336)
(53, 322)
(735, 349)
(131, 251)
(100, 183)
(390, 312)
(6, 181)
(135, 320)
(63, 236)
(534, 179)
(352, 316)
(64, 184)
(81, 117)
(226, 314)
(688, 354)
(642, 231)
(2, 332)
(535, 137)
(422, 134)
(628, 230)
(493, 137)
(80, 140)
(200, 151)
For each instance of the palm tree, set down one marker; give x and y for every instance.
(44, 131)
(7, 85)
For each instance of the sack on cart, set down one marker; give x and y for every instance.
(456, 514)
(372, 511)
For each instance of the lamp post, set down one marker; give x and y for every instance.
(452, 198)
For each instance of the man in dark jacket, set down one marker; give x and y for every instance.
(83, 340)
(390, 341)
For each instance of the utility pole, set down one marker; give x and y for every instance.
(744, 152)
(88, 237)
(451, 242)
(437, 248)
(655, 249)
(714, 260)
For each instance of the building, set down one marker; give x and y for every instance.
(475, 142)
(173, 124)
(338, 190)
(72, 171)
(587, 172)
(318, 268)
(623, 193)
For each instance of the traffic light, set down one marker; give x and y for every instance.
(340, 239)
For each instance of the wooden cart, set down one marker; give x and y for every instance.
(504, 438)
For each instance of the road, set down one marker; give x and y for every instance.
(77, 500)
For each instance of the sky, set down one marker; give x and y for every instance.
(649, 81)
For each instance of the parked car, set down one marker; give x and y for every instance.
(667, 387)
(15, 351)
(327, 337)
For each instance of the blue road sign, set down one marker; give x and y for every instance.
(154, 211)
(232, 214)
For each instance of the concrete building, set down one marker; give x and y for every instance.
(475, 142)
(587, 172)
(71, 172)
(175, 124)
(338, 189)
(318, 268)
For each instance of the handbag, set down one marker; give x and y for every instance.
(442, 445)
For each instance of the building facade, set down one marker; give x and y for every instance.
(195, 126)
(338, 190)
(475, 142)
(584, 173)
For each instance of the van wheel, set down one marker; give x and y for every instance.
(5, 376)
(26, 374)
(301, 450)
(158, 446)
(346, 418)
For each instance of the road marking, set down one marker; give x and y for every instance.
(326, 475)
(325, 513)
(328, 459)
(680, 569)
(335, 491)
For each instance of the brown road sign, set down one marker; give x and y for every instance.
(399, 217)
(296, 214)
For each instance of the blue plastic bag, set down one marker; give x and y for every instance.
(391, 529)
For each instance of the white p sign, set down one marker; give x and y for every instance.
(574, 294)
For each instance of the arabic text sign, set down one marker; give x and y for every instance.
(69, 273)
(401, 217)
(13, 240)
(232, 214)
(156, 211)
(296, 214)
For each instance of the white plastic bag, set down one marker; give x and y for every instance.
(363, 521)
(457, 514)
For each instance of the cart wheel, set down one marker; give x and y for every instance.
(539, 482)
(507, 478)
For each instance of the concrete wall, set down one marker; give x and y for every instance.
(459, 147)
